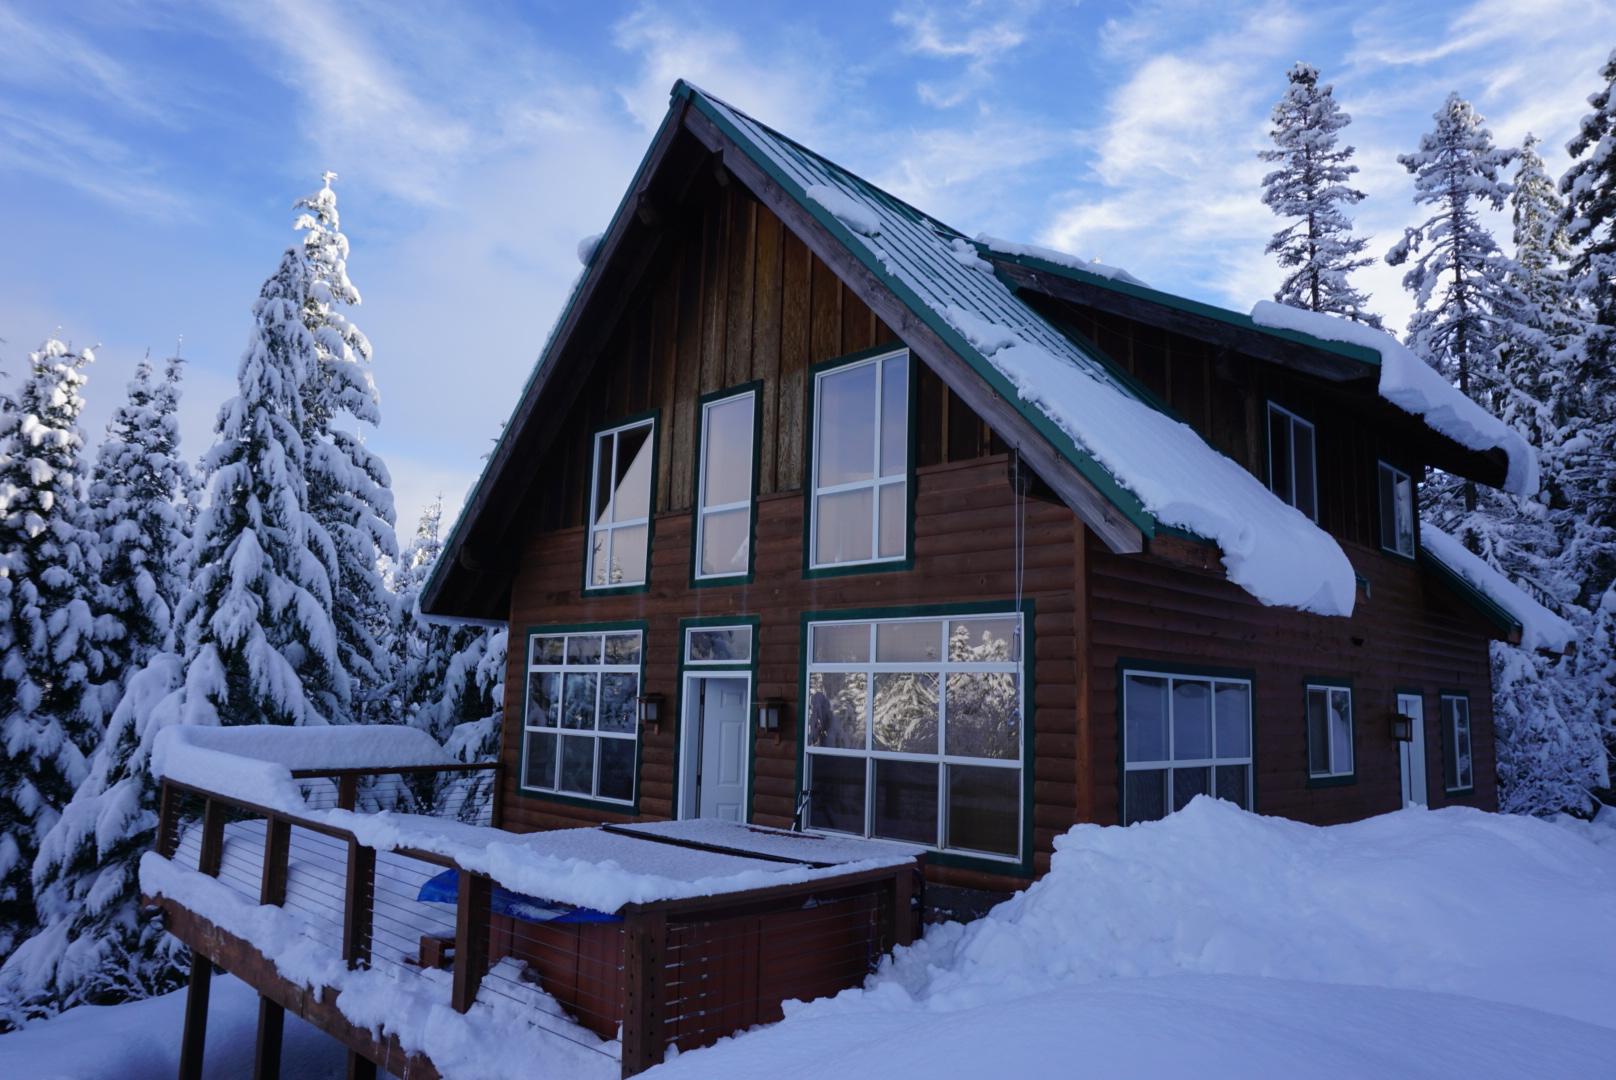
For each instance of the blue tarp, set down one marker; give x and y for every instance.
(445, 889)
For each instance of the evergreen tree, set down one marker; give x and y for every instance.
(350, 491)
(1310, 190)
(52, 699)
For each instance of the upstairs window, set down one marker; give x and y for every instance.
(1396, 511)
(860, 482)
(1459, 768)
(1329, 733)
(620, 506)
(1292, 471)
(724, 495)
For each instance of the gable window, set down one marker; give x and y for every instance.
(914, 731)
(620, 506)
(860, 486)
(1183, 736)
(1396, 511)
(724, 488)
(580, 730)
(1329, 732)
(1292, 471)
(1459, 768)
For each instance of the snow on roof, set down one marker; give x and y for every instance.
(1160, 465)
(1413, 386)
(1000, 246)
(1540, 627)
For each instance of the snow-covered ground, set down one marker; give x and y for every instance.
(1215, 943)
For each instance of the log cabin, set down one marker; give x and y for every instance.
(817, 513)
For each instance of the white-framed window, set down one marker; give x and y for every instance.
(580, 729)
(1292, 468)
(1329, 732)
(724, 487)
(1183, 736)
(914, 731)
(860, 474)
(718, 645)
(620, 506)
(1459, 768)
(1396, 510)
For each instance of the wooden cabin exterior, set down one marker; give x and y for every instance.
(704, 345)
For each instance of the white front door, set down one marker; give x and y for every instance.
(1412, 752)
(721, 761)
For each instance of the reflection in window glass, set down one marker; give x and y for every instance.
(984, 715)
(860, 468)
(1396, 511)
(1329, 731)
(836, 709)
(906, 711)
(1183, 736)
(620, 506)
(724, 505)
(719, 645)
(580, 729)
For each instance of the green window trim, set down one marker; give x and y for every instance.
(748, 667)
(1449, 742)
(1328, 683)
(612, 806)
(697, 579)
(810, 467)
(653, 417)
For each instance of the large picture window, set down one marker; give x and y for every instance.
(860, 482)
(1329, 732)
(620, 506)
(1292, 469)
(915, 731)
(724, 495)
(1459, 766)
(1183, 736)
(580, 730)
(1396, 511)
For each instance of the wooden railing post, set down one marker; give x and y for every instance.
(212, 853)
(272, 890)
(168, 809)
(471, 938)
(496, 812)
(347, 791)
(359, 901)
(903, 922)
(193, 1041)
(645, 938)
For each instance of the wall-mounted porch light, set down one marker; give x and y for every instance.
(770, 712)
(1402, 728)
(650, 706)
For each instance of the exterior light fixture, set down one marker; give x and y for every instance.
(650, 706)
(1402, 728)
(769, 713)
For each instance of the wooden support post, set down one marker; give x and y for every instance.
(212, 851)
(271, 1028)
(347, 791)
(359, 901)
(272, 890)
(277, 847)
(168, 832)
(903, 920)
(360, 1067)
(496, 814)
(195, 1037)
(471, 938)
(645, 936)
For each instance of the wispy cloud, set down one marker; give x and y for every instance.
(978, 35)
(54, 57)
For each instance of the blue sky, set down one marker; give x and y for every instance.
(150, 151)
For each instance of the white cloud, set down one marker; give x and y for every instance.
(977, 33)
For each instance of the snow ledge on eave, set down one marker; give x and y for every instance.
(1540, 627)
(1413, 386)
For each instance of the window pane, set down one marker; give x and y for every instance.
(894, 500)
(617, 768)
(598, 543)
(1145, 732)
(836, 709)
(543, 690)
(632, 497)
(1405, 515)
(983, 641)
(578, 710)
(906, 712)
(603, 478)
(725, 539)
(1279, 454)
(1144, 795)
(842, 643)
(984, 716)
(583, 650)
(844, 426)
(1340, 731)
(1234, 784)
(896, 641)
(1188, 783)
(731, 643)
(843, 526)
(1306, 499)
(546, 650)
(541, 760)
(628, 556)
(1192, 720)
(905, 801)
(1233, 707)
(618, 708)
(577, 764)
(894, 416)
(727, 468)
(623, 649)
(984, 809)
(1318, 732)
(1461, 743)
(1388, 509)
(836, 785)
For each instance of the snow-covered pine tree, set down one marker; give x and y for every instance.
(1309, 189)
(53, 700)
(350, 491)
(1460, 280)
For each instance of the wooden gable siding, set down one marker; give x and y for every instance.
(1408, 634)
(736, 297)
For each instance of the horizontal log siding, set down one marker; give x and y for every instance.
(963, 553)
(1410, 633)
